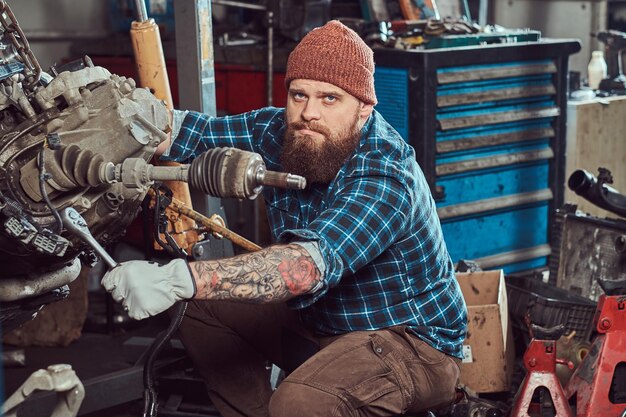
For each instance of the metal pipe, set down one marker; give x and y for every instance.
(599, 193)
(280, 179)
(483, 12)
(13, 289)
(239, 4)
(174, 173)
(142, 13)
(211, 225)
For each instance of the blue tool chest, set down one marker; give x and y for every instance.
(488, 126)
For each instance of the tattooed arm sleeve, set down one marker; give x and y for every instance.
(274, 274)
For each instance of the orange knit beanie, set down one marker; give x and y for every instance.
(335, 54)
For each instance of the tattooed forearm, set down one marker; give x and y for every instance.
(276, 273)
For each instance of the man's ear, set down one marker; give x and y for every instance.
(366, 110)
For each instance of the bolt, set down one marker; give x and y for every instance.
(620, 244)
(198, 251)
(125, 88)
(85, 203)
(605, 324)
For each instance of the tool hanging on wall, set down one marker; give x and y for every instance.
(150, 61)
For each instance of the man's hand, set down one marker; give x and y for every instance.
(146, 288)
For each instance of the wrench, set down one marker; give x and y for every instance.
(76, 225)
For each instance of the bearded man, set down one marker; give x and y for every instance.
(357, 299)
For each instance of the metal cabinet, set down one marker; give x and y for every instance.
(488, 126)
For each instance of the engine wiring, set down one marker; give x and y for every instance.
(43, 177)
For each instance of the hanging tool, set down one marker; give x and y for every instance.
(150, 61)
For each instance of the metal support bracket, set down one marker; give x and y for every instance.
(59, 378)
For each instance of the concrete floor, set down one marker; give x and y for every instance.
(92, 355)
(96, 356)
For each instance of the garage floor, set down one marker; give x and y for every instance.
(92, 355)
(99, 357)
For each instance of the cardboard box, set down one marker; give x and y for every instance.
(488, 348)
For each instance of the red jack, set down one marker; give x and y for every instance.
(540, 361)
(598, 387)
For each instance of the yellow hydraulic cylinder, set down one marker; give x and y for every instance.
(150, 61)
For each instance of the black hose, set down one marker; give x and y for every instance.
(149, 380)
(158, 222)
(597, 191)
(44, 194)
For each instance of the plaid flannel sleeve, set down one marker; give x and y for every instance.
(368, 214)
(200, 132)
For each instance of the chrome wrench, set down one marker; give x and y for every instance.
(76, 225)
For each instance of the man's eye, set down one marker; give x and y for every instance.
(331, 98)
(298, 96)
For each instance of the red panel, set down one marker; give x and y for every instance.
(245, 88)
(221, 80)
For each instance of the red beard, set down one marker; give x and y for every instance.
(318, 162)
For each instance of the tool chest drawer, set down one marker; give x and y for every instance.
(488, 126)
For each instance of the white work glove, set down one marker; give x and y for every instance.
(146, 288)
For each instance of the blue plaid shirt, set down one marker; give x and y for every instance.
(376, 227)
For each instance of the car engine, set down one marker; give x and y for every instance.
(75, 146)
(57, 130)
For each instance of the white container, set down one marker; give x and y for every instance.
(596, 70)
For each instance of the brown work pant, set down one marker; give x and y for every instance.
(365, 373)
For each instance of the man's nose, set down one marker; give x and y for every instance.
(311, 111)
